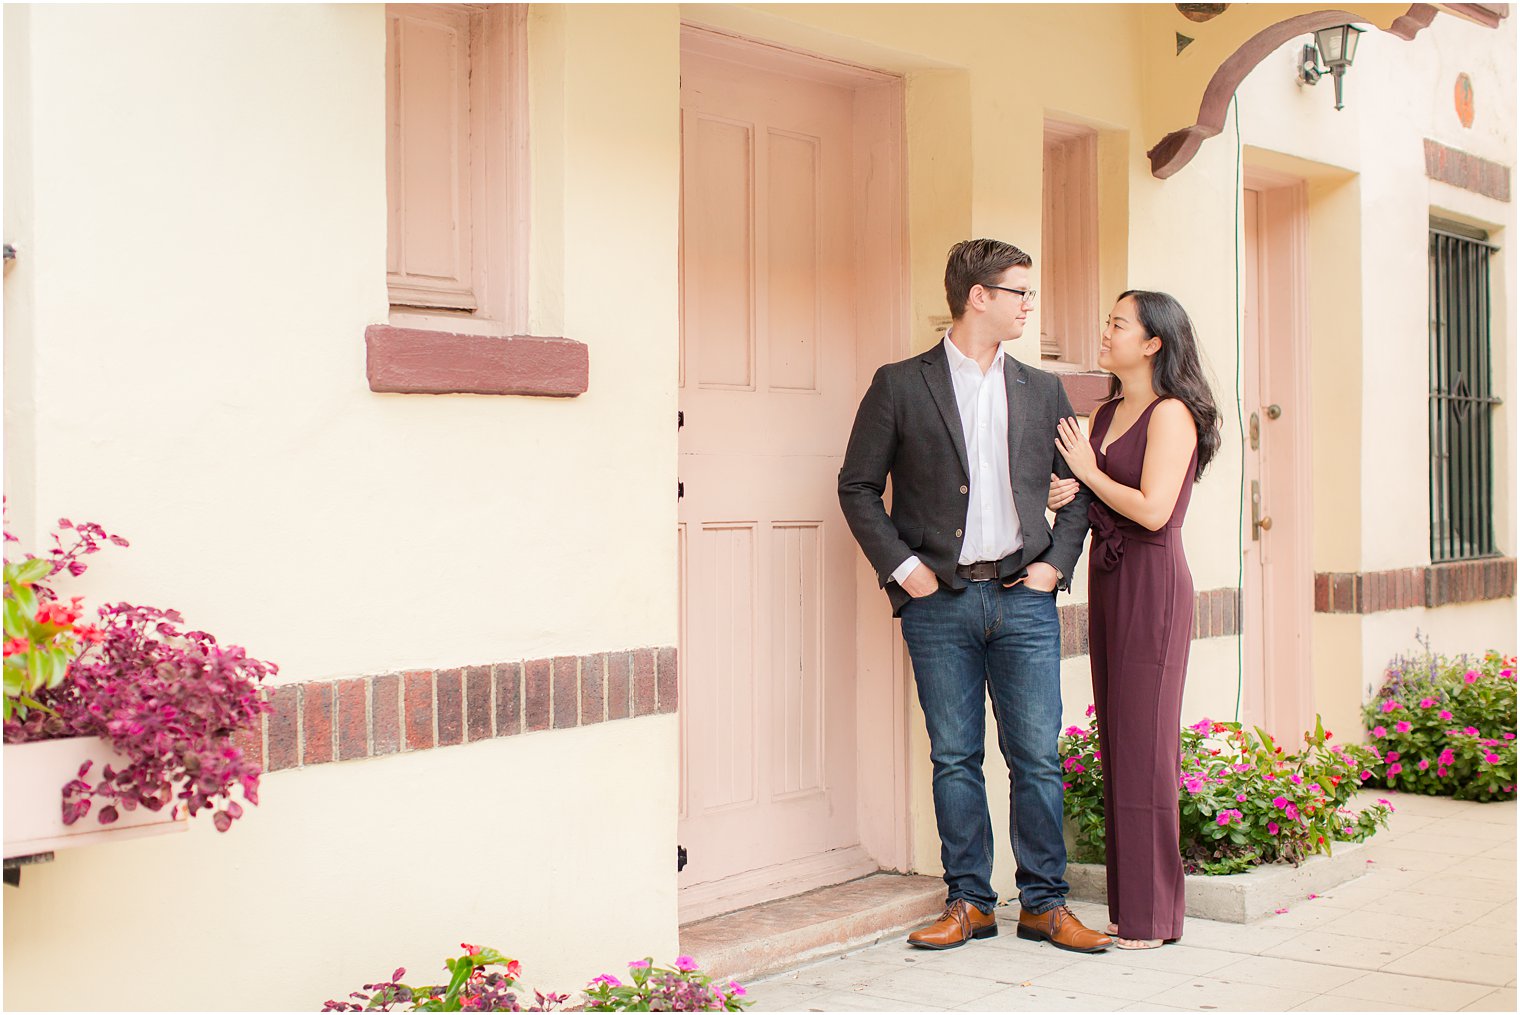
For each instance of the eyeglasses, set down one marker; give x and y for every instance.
(1027, 295)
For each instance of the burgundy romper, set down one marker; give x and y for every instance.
(1140, 605)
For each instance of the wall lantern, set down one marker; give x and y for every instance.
(1336, 48)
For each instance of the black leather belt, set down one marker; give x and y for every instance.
(981, 571)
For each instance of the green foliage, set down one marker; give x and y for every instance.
(1242, 800)
(1446, 726)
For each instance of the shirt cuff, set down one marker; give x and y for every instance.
(904, 569)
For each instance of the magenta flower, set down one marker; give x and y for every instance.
(609, 980)
(1366, 774)
(685, 963)
(1073, 765)
(1240, 798)
(1227, 817)
(1272, 828)
(1427, 702)
(1471, 731)
(735, 989)
(1395, 768)
(1403, 727)
(1443, 772)
(1296, 779)
(1509, 736)
(1444, 713)
(1447, 757)
(1291, 812)
(1391, 756)
(1073, 731)
(1470, 677)
(1389, 706)
(1279, 802)
(1491, 758)
(1091, 709)
(1424, 764)
(639, 964)
(1380, 731)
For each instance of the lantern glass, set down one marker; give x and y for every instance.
(1352, 35)
(1330, 41)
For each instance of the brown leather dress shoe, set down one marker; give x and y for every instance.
(959, 923)
(1061, 928)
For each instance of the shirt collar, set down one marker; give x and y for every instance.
(960, 361)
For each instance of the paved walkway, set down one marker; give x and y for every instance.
(1431, 927)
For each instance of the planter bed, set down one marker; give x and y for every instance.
(1241, 898)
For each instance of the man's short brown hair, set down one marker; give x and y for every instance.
(978, 262)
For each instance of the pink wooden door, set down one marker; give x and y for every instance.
(1277, 602)
(767, 382)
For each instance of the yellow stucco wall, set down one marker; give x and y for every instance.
(201, 216)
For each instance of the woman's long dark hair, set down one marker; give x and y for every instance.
(1176, 371)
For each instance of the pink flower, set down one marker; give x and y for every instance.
(1380, 731)
(1280, 911)
(1192, 783)
(1509, 736)
(1091, 709)
(1390, 705)
(1097, 755)
(1291, 811)
(1296, 779)
(1403, 727)
(1073, 731)
(1424, 764)
(1073, 765)
(1427, 702)
(1395, 768)
(1470, 677)
(1391, 756)
(735, 990)
(1366, 774)
(1268, 776)
(1272, 827)
(639, 964)
(1471, 731)
(609, 980)
(1444, 713)
(1279, 802)
(685, 963)
(1227, 817)
(1491, 758)
(1204, 725)
(1240, 798)
(1447, 757)
(1442, 772)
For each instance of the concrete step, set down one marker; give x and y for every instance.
(814, 925)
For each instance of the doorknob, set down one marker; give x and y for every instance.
(1274, 411)
(1258, 522)
(1255, 432)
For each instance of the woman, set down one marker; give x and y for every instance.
(1150, 441)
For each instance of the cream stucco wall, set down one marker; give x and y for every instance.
(198, 195)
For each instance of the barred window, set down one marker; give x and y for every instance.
(1461, 395)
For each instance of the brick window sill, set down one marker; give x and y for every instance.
(414, 361)
(1087, 389)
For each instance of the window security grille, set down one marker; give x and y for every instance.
(1461, 399)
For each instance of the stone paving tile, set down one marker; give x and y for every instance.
(1148, 1006)
(1413, 904)
(1486, 940)
(1493, 832)
(1453, 884)
(1385, 926)
(1340, 950)
(1176, 958)
(1436, 839)
(1327, 1003)
(1308, 913)
(778, 995)
(1502, 999)
(1269, 971)
(1012, 965)
(1404, 855)
(1036, 998)
(1248, 939)
(1200, 993)
(1503, 851)
(1501, 813)
(1397, 988)
(862, 1002)
(1490, 868)
(1455, 965)
(917, 987)
(1112, 980)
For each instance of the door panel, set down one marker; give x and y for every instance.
(768, 391)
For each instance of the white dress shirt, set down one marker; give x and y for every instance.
(992, 529)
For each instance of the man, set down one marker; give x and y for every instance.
(967, 435)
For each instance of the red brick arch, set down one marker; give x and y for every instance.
(1178, 148)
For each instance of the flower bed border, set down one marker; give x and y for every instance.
(1241, 898)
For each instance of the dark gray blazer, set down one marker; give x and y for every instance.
(909, 428)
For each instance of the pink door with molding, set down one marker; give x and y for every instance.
(767, 392)
(1277, 600)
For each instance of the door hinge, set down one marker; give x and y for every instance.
(680, 489)
(680, 859)
(680, 418)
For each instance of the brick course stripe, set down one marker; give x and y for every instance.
(343, 719)
(1465, 581)
(1216, 614)
(1460, 169)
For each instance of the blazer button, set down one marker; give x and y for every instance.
(965, 489)
(957, 533)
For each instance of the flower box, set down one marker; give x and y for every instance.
(35, 774)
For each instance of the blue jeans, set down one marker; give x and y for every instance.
(1006, 641)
